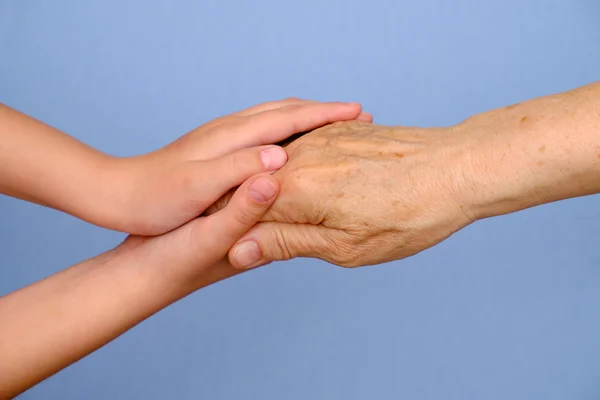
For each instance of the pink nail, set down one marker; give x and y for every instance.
(262, 189)
(246, 254)
(273, 158)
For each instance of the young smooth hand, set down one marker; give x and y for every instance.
(87, 305)
(157, 192)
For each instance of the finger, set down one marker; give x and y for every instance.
(279, 241)
(246, 208)
(271, 105)
(362, 117)
(275, 125)
(210, 180)
(365, 117)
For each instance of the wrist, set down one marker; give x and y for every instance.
(84, 191)
(497, 178)
(522, 156)
(176, 265)
(105, 200)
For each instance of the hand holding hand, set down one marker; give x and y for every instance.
(355, 194)
(195, 254)
(159, 191)
(101, 298)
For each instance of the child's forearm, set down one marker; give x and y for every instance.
(154, 193)
(51, 324)
(43, 165)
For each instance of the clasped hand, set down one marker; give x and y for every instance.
(163, 193)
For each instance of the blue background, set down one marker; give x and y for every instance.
(505, 309)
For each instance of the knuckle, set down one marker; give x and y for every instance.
(223, 125)
(291, 99)
(265, 106)
(244, 215)
(290, 109)
(282, 244)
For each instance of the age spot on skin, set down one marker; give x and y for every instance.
(540, 163)
(399, 155)
(542, 149)
(527, 122)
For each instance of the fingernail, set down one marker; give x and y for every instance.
(273, 158)
(246, 254)
(262, 189)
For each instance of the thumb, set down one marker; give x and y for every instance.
(247, 206)
(231, 170)
(276, 241)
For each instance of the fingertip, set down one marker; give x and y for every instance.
(352, 105)
(365, 117)
(263, 188)
(248, 205)
(347, 110)
(245, 255)
(273, 158)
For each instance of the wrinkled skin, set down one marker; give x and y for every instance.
(355, 194)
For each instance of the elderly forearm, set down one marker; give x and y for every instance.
(51, 324)
(535, 152)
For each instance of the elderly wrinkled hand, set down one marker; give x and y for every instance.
(354, 194)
